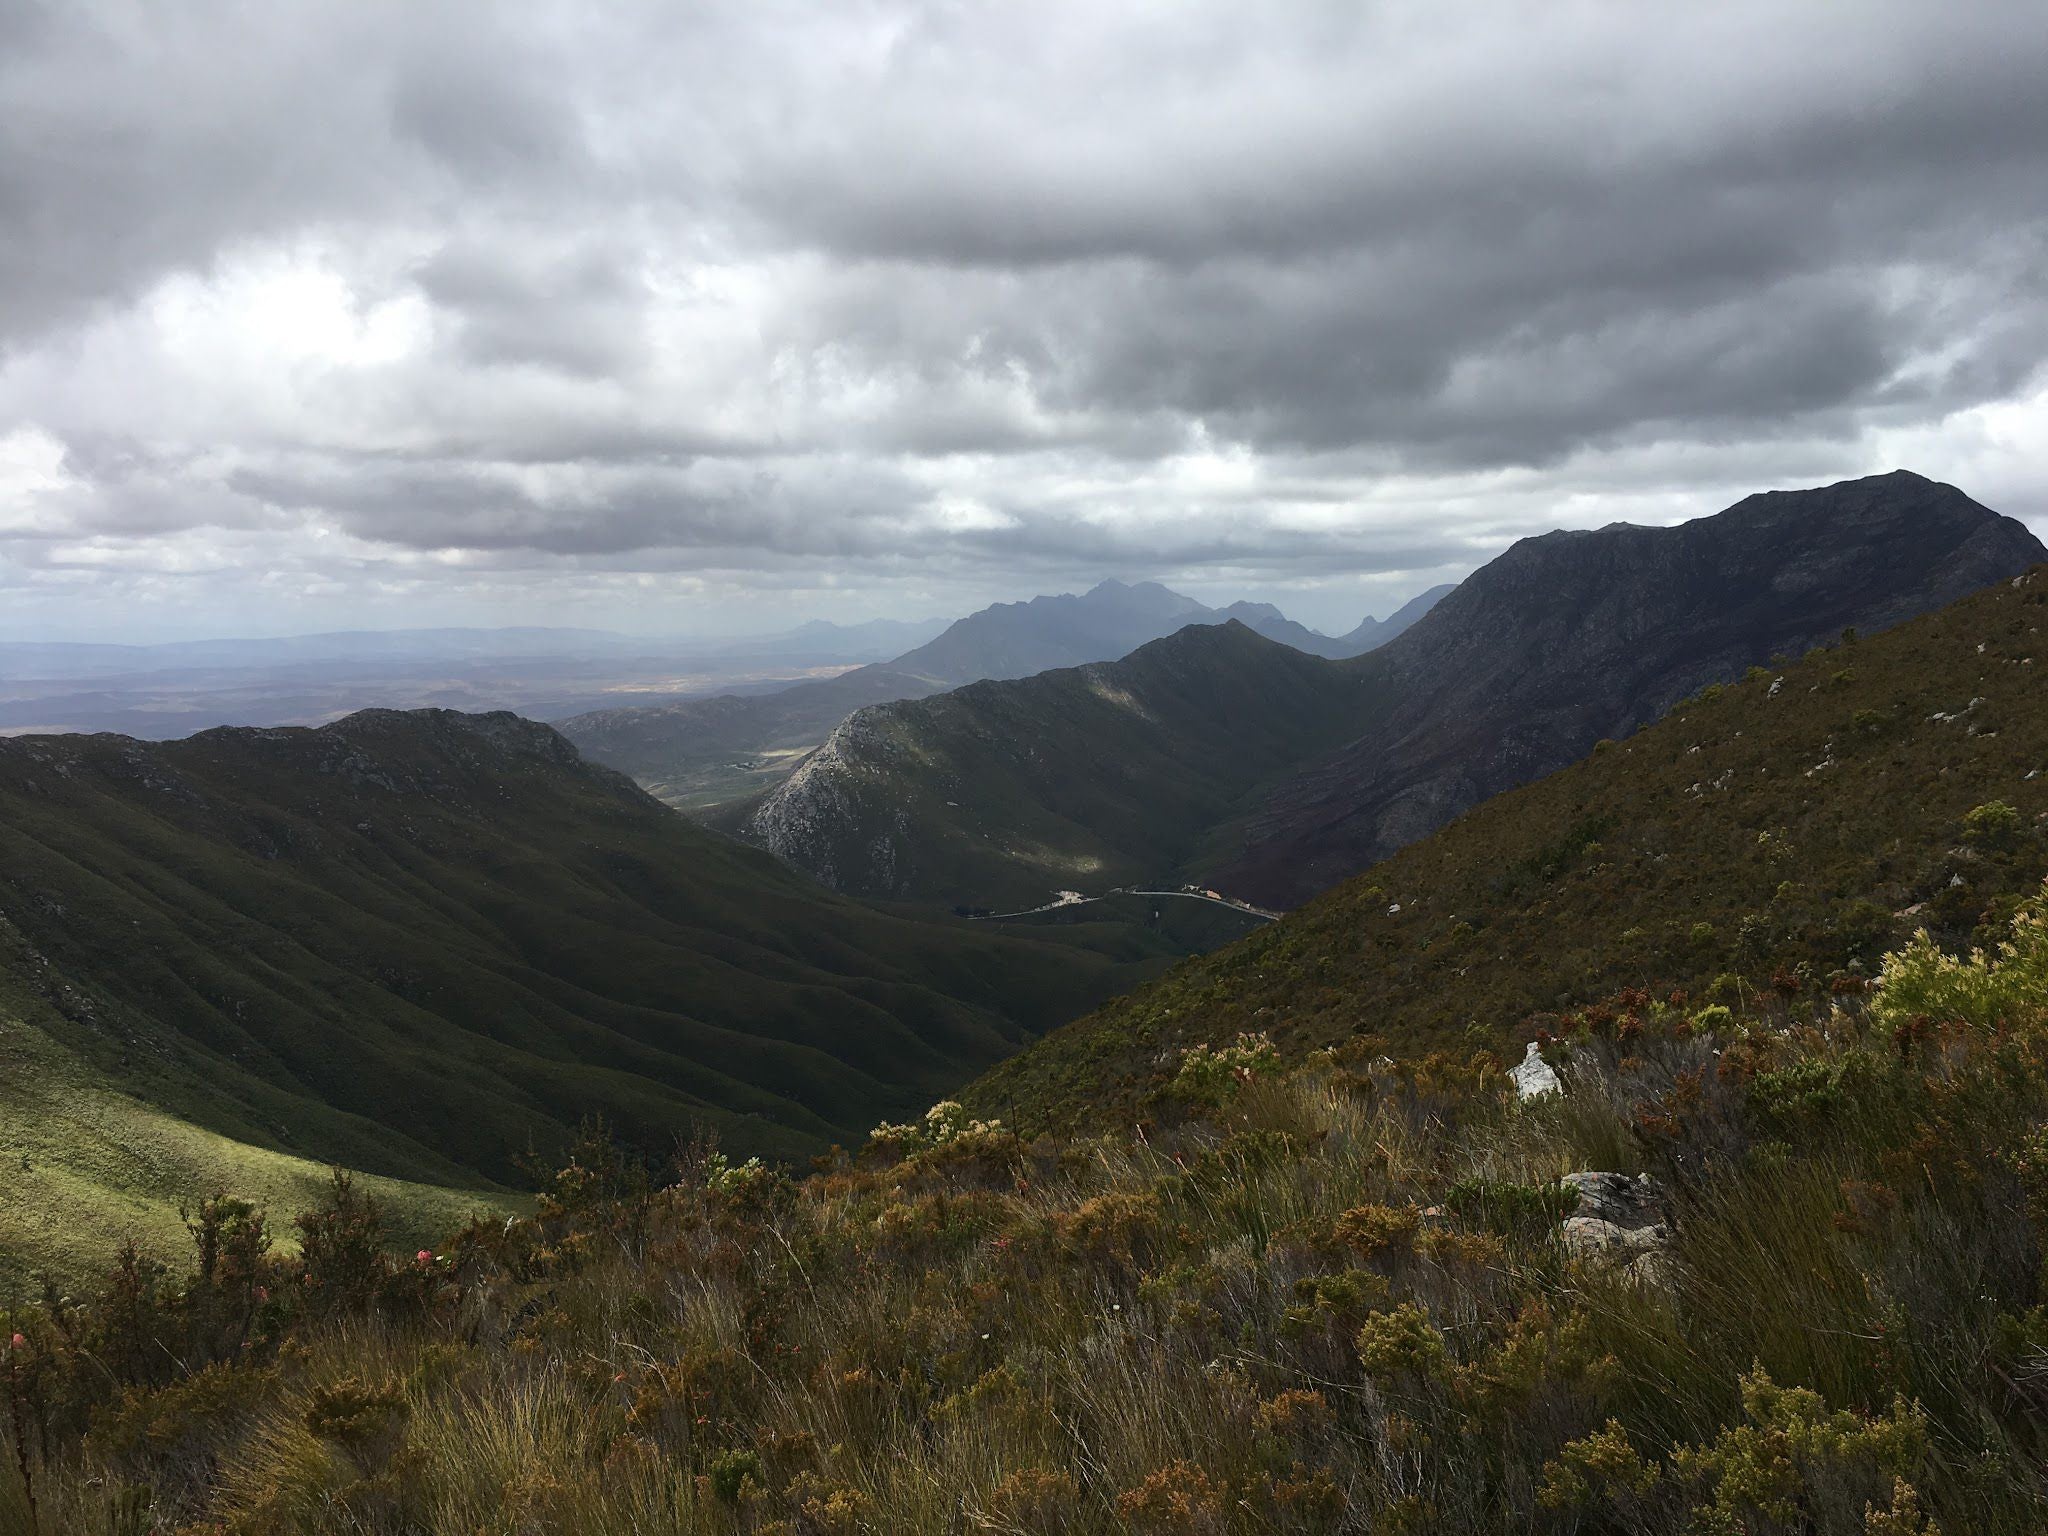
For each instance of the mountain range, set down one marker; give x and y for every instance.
(697, 753)
(1270, 775)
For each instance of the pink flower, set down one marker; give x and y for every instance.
(17, 1342)
(426, 1255)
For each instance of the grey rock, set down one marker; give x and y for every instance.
(1534, 1077)
(1588, 1237)
(1624, 1200)
(1621, 1220)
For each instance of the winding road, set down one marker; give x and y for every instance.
(1075, 899)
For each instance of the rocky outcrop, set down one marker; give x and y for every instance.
(806, 820)
(1621, 1220)
(1534, 1077)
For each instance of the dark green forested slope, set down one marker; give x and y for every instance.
(1086, 777)
(1794, 825)
(418, 943)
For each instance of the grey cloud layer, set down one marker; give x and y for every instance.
(992, 287)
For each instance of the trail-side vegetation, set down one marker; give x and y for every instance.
(1347, 1294)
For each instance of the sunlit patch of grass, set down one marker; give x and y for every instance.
(84, 1166)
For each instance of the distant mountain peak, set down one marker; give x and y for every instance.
(1253, 613)
(1373, 633)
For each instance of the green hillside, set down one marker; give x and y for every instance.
(1212, 1281)
(419, 944)
(999, 794)
(85, 1167)
(1795, 824)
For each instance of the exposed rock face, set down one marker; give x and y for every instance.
(798, 821)
(1617, 1198)
(1576, 636)
(1618, 1220)
(1534, 1077)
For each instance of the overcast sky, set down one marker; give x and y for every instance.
(708, 316)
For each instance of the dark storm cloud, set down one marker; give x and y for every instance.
(575, 310)
(1305, 287)
(844, 509)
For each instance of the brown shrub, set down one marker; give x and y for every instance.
(1378, 1229)
(1180, 1499)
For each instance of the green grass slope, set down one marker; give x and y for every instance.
(419, 943)
(999, 794)
(1796, 824)
(85, 1167)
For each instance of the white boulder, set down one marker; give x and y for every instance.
(1533, 1075)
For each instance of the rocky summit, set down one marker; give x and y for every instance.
(1574, 637)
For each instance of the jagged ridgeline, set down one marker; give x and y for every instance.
(700, 753)
(1783, 830)
(419, 943)
(1222, 757)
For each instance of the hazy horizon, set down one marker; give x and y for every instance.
(9, 636)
